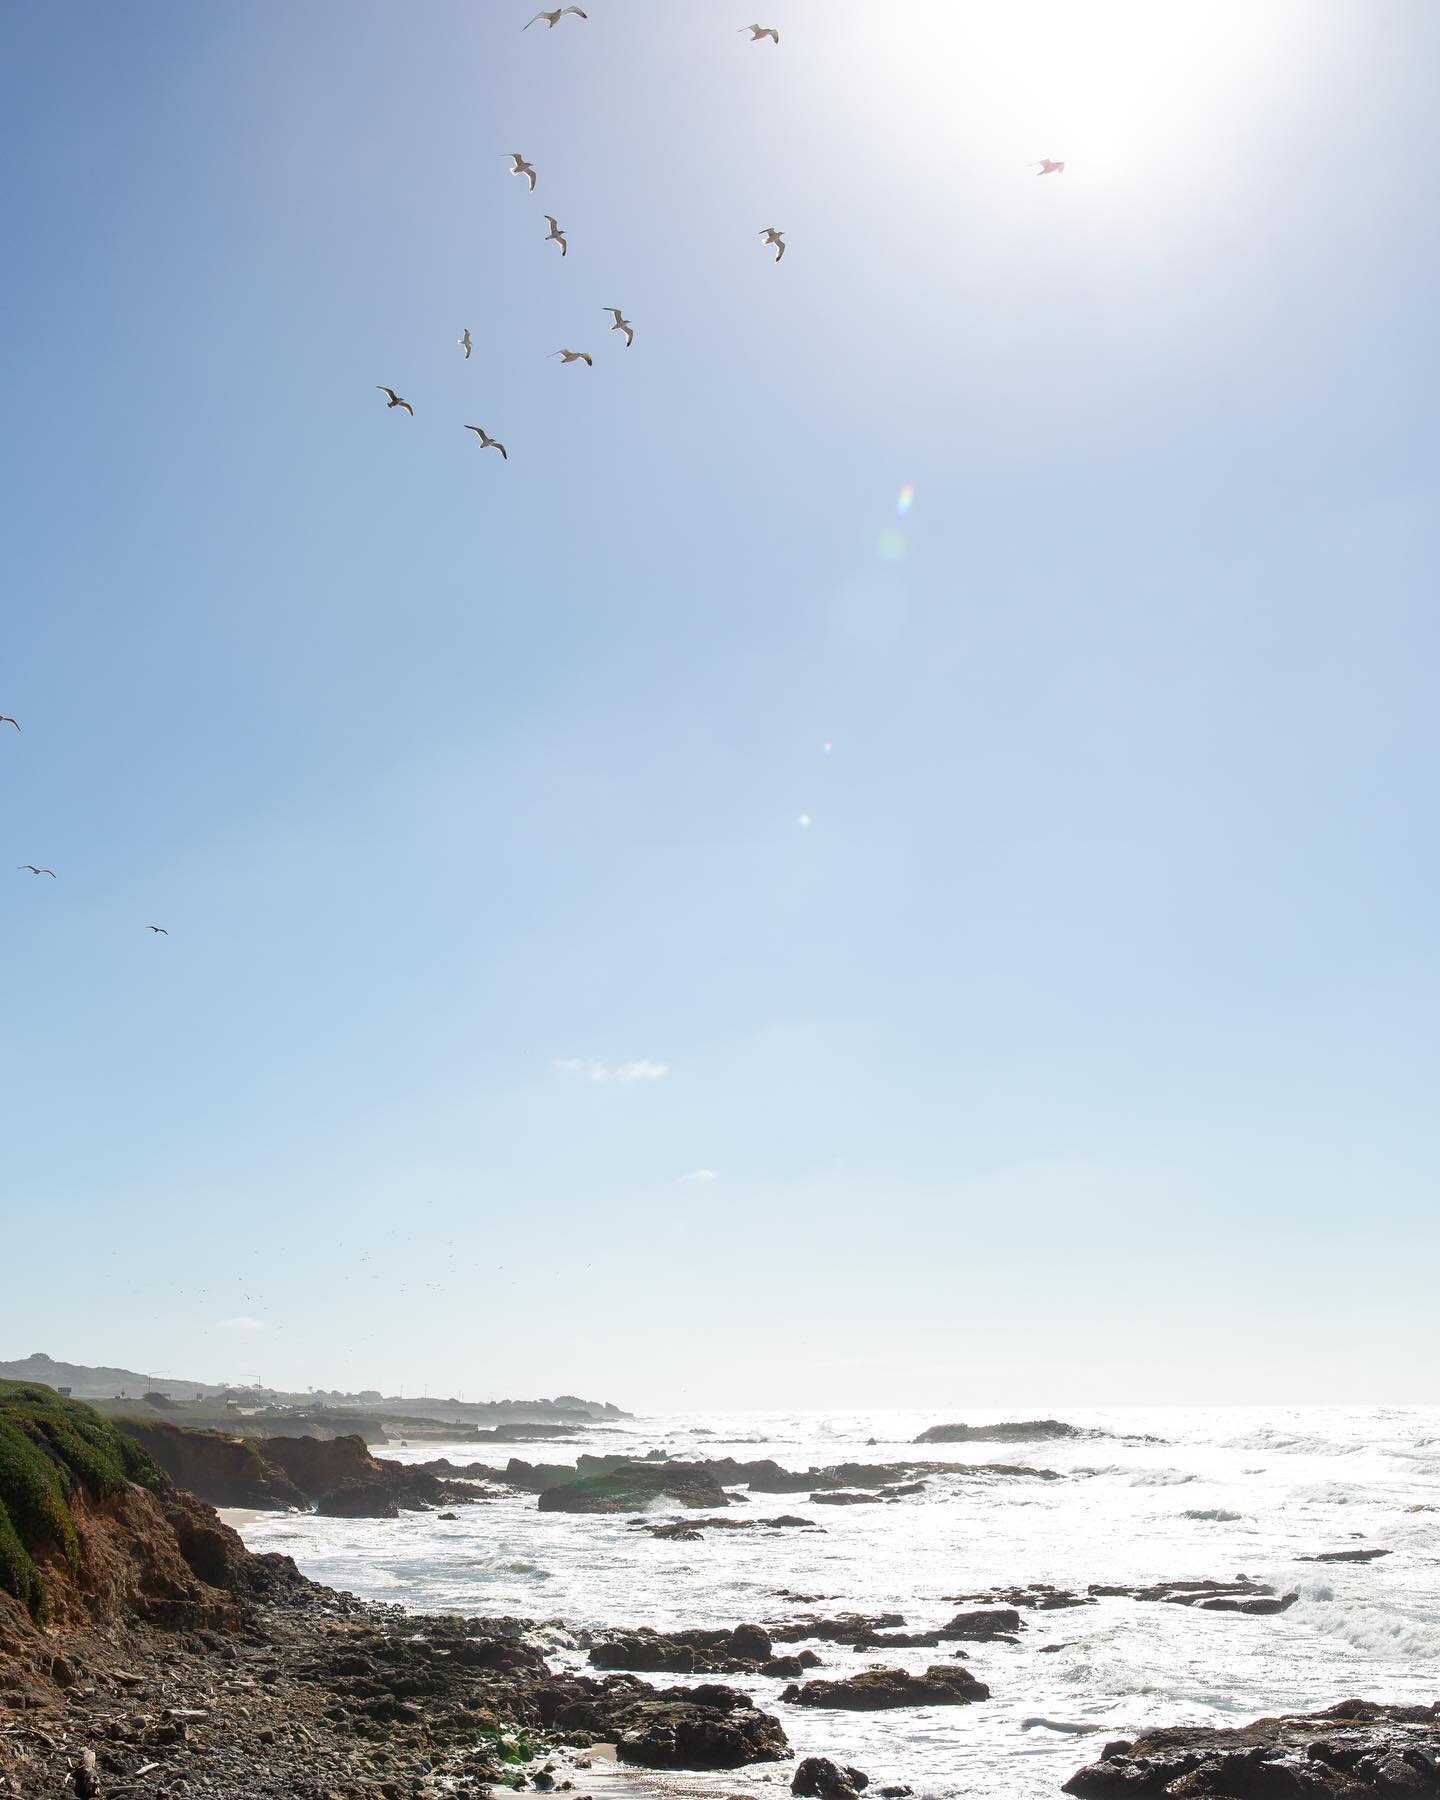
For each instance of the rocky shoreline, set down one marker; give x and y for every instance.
(145, 1651)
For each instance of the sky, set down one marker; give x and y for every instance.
(885, 856)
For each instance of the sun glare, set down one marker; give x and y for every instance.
(1092, 85)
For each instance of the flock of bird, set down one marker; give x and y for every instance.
(772, 237)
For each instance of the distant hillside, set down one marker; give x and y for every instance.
(93, 1384)
(86, 1383)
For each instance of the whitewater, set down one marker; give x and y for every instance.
(1147, 1495)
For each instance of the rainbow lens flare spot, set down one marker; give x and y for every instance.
(906, 500)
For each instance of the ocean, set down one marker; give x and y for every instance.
(1150, 1494)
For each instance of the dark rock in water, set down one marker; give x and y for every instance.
(817, 1778)
(784, 1668)
(879, 1689)
(634, 1486)
(693, 1528)
(706, 1727)
(752, 1641)
(1347, 1752)
(986, 1624)
(847, 1628)
(1346, 1556)
(1242, 1595)
(901, 1640)
(357, 1498)
(1037, 1594)
(844, 1499)
(740, 1651)
(1263, 1604)
(1013, 1431)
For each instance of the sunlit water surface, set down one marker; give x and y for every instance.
(1223, 1491)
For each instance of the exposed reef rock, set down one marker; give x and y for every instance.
(1346, 1556)
(877, 1689)
(705, 1727)
(1242, 1595)
(1348, 1751)
(880, 1480)
(633, 1486)
(845, 1628)
(693, 1528)
(741, 1651)
(986, 1625)
(817, 1778)
(1012, 1431)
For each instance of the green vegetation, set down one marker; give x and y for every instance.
(513, 1749)
(49, 1449)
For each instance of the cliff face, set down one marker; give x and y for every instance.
(345, 1480)
(94, 1535)
(226, 1471)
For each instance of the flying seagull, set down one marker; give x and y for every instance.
(621, 324)
(1046, 167)
(519, 164)
(395, 400)
(5, 719)
(34, 871)
(552, 19)
(759, 32)
(486, 441)
(556, 235)
(159, 930)
(464, 342)
(777, 238)
(569, 356)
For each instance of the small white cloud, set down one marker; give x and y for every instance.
(702, 1175)
(243, 1322)
(625, 1073)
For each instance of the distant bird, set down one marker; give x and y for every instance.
(760, 32)
(464, 342)
(34, 871)
(159, 930)
(777, 238)
(519, 164)
(552, 19)
(1046, 167)
(486, 441)
(556, 235)
(621, 324)
(395, 400)
(5, 719)
(569, 356)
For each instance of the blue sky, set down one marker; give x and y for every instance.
(1081, 1048)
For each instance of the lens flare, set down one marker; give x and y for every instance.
(906, 500)
(804, 821)
(826, 747)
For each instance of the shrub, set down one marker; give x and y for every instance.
(49, 1449)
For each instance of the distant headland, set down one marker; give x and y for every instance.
(367, 1413)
